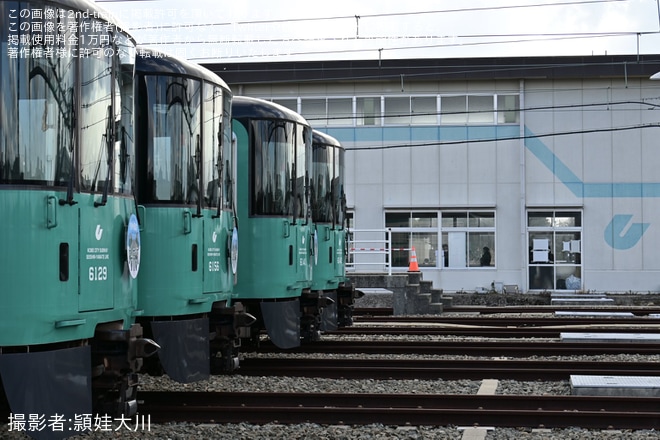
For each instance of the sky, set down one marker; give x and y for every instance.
(295, 30)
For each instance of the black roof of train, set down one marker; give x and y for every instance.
(318, 137)
(151, 61)
(255, 108)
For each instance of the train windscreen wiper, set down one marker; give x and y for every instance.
(109, 125)
(219, 166)
(72, 169)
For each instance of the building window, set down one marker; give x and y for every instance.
(555, 249)
(290, 103)
(508, 109)
(368, 111)
(453, 110)
(340, 111)
(407, 110)
(313, 109)
(481, 110)
(397, 110)
(413, 229)
(468, 239)
(423, 110)
(443, 239)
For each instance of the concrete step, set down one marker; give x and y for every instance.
(414, 277)
(436, 308)
(425, 286)
(436, 294)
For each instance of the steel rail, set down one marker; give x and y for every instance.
(486, 332)
(470, 348)
(403, 409)
(522, 321)
(635, 310)
(492, 310)
(433, 369)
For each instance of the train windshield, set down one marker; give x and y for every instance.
(303, 172)
(228, 153)
(106, 114)
(174, 145)
(321, 185)
(36, 104)
(339, 202)
(214, 139)
(38, 100)
(217, 149)
(279, 168)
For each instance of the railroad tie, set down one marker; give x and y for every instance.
(475, 433)
(488, 387)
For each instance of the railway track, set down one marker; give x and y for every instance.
(470, 348)
(403, 409)
(485, 332)
(514, 321)
(433, 369)
(488, 310)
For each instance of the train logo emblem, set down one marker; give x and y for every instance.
(99, 232)
(133, 246)
(233, 251)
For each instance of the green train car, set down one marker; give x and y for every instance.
(276, 249)
(69, 242)
(328, 202)
(185, 163)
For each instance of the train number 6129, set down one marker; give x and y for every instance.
(98, 273)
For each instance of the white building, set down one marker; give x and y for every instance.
(552, 163)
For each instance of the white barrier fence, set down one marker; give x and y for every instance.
(371, 250)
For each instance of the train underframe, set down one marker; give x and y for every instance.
(304, 318)
(96, 376)
(346, 296)
(340, 311)
(196, 346)
(117, 356)
(287, 320)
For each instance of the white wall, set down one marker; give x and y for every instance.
(562, 170)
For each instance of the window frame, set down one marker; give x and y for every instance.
(539, 272)
(499, 113)
(440, 233)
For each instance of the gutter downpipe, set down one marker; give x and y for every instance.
(523, 195)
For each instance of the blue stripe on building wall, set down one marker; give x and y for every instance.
(575, 184)
(414, 134)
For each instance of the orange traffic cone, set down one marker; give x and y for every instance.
(413, 267)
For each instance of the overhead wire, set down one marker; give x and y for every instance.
(503, 39)
(378, 15)
(558, 37)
